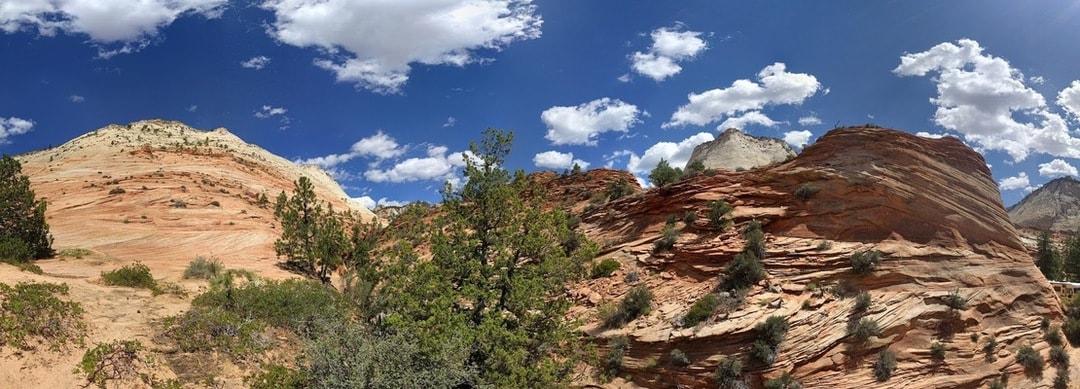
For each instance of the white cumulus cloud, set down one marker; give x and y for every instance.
(1069, 99)
(752, 117)
(775, 86)
(379, 146)
(986, 100)
(811, 120)
(670, 45)
(677, 154)
(14, 126)
(267, 111)
(1012, 183)
(437, 166)
(371, 203)
(115, 26)
(925, 134)
(581, 125)
(1057, 168)
(256, 63)
(556, 160)
(373, 44)
(798, 139)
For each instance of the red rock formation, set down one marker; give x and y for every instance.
(928, 205)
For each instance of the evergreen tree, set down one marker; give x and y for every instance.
(1071, 257)
(23, 230)
(1047, 258)
(496, 278)
(663, 174)
(312, 239)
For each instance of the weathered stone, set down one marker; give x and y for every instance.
(735, 150)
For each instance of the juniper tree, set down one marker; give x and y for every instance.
(312, 239)
(24, 234)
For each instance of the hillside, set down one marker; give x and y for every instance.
(1054, 206)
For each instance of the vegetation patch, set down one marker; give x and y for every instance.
(31, 311)
(864, 262)
(955, 301)
(135, 275)
(613, 361)
(604, 269)
(1030, 359)
(77, 253)
(885, 365)
(120, 362)
(679, 358)
(806, 191)
(719, 214)
(702, 309)
(770, 334)
(784, 381)
(203, 268)
(729, 373)
(863, 329)
(937, 352)
(638, 302)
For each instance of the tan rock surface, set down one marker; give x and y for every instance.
(735, 150)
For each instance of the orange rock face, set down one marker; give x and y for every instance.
(929, 206)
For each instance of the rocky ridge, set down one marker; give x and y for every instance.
(1054, 206)
(930, 206)
(735, 150)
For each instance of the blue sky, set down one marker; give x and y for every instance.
(387, 94)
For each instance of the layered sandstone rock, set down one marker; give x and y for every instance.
(930, 206)
(1054, 206)
(735, 150)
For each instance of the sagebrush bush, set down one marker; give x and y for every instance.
(638, 301)
(679, 358)
(729, 373)
(718, 214)
(862, 302)
(755, 239)
(989, 347)
(1059, 357)
(702, 309)
(885, 365)
(864, 262)
(863, 329)
(784, 381)
(216, 329)
(1030, 359)
(1052, 336)
(613, 361)
(33, 310)
(121, 362)
(806, 191)
(668, 236)
(1061, 379)
(618, 189)
(292, 304)
(203, 268)
(762, 353)
(744, 271)
(770, 333)
(605, 268)
(135, 275)
(955, 301)
(937, 351)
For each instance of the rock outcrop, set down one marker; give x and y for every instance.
(929, 206)
(162, 191)
(735, 150)
(1054, 206)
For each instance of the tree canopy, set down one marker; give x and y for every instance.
(24, 234)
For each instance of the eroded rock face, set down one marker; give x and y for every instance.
(930, 206)
(185, 193)
(735, 150)
(1054, 206)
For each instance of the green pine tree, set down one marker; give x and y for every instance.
(1047, 258)
(663, 175)
(312, 239)
(24, 234)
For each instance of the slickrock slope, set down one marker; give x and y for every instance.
(735, 150)
(1054, 206)
(930, 206)
(159, 165)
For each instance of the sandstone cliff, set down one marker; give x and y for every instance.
(1054, 206)
(930, 206)
(735, 150)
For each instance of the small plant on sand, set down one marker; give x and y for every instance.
(203, 268)
(33, 310)
(135, 275)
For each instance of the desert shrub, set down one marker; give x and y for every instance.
(702, 309)
(668, 236)
(862, 302)
(770, 334)
(806, 191)
(989, 347)
(824, 245)
(863, 329)
(632, 276)
(33, 310)
(784, 381)
(135, 275)
(1061, 379)
(679, 358)
(605, 268)
(864, 262)
(638, 301)
(618, 189)
(755, 239)
(343, 354)
(996, 383)
(664, 175)
(885, 365)
(14, 250)
(78, 253)
(1044, 323)
(203, 268)
(844, 288)
(744, 271)
(116, 191)
(672, 219)
(1053, 337)
(937, 351)
(613, 361)
(120, 361)
(689, 217)
(762, 353)
(216, 329)
(718, 214)
(274, 376)
(292, 304)
(1059, 357)
(1071, 328)
(1030, 359)
(955, 301)
(729, 373)
(694, 168)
